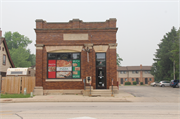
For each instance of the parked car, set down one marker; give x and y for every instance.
(178, 85)
(174, 83)
(171, 82)
(154, 84)
(163, 83)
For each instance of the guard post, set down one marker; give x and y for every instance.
(89, 80)
(84, 80)
(112, 88)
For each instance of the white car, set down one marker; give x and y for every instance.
(154, 84)
(163, 83)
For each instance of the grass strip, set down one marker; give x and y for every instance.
(14, 96)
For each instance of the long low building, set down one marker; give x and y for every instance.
(134, 73)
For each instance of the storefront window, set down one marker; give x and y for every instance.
(76, 55)
(100, 56)
(64, 56)
(51, 56)
(101, 59)
(64, 65)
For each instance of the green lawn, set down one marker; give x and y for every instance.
(14, 96)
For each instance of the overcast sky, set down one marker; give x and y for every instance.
(141, 24)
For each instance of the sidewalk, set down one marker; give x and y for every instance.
(121, 97)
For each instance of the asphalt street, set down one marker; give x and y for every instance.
(149, 91)
(89, 110)
(166, 107)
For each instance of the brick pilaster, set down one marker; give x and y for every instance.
(39, 68)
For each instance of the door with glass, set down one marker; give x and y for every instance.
(101, 78)
(121, 80)
(146, 81)
(100, 71)
(137, 80)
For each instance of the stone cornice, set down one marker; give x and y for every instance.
(77, 30)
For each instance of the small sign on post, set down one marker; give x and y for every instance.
(25, 91)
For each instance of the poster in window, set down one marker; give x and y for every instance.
(51, 68)
(76, 68)
(64, 74)
(64, 65)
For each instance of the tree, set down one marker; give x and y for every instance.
(167, 53)
(175, 54)
(118, 61)
(32, 58)
(17, 45)
(20, 57)
(15, 40)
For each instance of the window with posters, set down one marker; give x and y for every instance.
(64, 65)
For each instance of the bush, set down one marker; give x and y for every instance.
(134, 83)
(127, 83)
(141, 83)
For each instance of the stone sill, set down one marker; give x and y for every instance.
(57, 80)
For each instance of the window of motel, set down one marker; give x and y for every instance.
(64, 65)
(125, 79)
(150, 79)
(132, 79)
(135, 72)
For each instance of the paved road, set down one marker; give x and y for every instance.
(89, 110)
(148, 91)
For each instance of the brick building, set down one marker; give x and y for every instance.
(68, 52)
(134, 73)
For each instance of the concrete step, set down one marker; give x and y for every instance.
(88, 87)
(101, 93)
(98, 92)
(62, 92)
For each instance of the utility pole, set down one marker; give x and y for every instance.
(174, 69)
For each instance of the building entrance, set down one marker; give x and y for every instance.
(101, 78)
(100, 70)
(137, 80)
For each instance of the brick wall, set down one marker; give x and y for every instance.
(99, 33)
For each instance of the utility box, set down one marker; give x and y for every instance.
(88, 81)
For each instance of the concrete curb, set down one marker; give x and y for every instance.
(61, 100)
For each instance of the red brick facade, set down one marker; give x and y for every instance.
(99, 33)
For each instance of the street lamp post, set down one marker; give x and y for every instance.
(174, 69)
